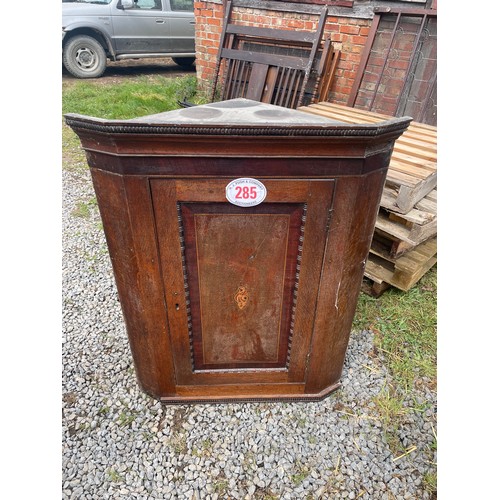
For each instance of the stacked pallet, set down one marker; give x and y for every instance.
(404, 245)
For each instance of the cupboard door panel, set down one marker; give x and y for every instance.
(237, 298)
(241, 271)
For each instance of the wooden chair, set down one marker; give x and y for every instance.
(270, 65)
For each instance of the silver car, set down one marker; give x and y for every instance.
(94, 31)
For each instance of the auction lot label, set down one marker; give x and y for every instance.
(246, 192)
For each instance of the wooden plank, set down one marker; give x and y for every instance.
(412, 233)
(398, 178)
(406, 271)
(414, 131)
(264, 58)
(416, 216)
(393, 250)
(327, 70)
(387, 247)
(351, 115)
(412, 137)
(327, 114)
(379, 270)
(423, 127)
(425, 210)
(429, 165)
(415, 152)
(324, 110)
(356, 115)
(270, 84)
(429, 203)
(257, 81)
(405, 281)
(302, 37)
(410, 168)
(412, 262)
(411, 141)
(373, 288)
(409, 196)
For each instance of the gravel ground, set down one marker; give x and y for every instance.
(120, 443)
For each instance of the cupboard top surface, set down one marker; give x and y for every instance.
(237, 112)
(237, 117)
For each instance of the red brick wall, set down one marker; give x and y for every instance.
(349, 36)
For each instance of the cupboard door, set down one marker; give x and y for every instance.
(241, 283)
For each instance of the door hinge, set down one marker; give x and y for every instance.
(329, 219)
(308, 358)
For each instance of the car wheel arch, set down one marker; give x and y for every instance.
(101, 37)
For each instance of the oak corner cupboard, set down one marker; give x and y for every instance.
(238, 233)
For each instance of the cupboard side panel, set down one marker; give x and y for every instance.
(128, 223)
(355, 211)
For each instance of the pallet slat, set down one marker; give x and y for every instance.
(406, 271)
(397, 234)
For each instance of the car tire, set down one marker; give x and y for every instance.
(184, 62)
(84, 57)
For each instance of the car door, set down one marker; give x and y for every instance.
(182, 25)
(144, 29)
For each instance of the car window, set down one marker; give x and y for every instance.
(147, 4)
(183, 5)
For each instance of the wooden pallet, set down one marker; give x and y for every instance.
(412, 171)
(404, 243)
(410, 229)
(404, 272)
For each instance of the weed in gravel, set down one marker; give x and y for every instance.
(404, 324)
(430, 482)
(178, 444)
(302, 472)
(81, 210)
(335, 482)
(104, 410)
(204, 450)
(391, 411)
(390, 406)
(220, 486)
(114, 476)
(126, 418)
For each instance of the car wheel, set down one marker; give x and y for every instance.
(184, 62)
(84, 57)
